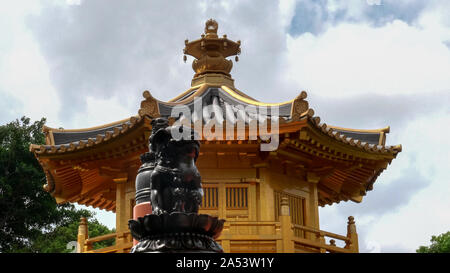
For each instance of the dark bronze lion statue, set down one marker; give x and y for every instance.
(175, 182)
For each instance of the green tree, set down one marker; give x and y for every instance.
(28, 214)
(439, 244)
(56, 241)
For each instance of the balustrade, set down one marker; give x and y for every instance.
(251, 236)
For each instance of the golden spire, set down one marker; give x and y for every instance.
(210, 52)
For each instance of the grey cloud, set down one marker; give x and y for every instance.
(372, 111)
(387, 197)
(391, 10)
(447, 44)
(116, 48)
(395, 249)
(9, 108)
(316, 16)
(369, 111)
(105, 48)
(374, 246)
(309, 17)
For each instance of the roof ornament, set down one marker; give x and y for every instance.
(210, 52)
(211, 27)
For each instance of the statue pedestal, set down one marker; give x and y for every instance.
(140, 210)
(177, 232)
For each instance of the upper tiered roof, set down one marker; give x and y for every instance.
(223, 97)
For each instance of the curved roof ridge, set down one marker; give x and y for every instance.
(341, 137)
(242, 94)
(236, 95)
(94, 128)
(384, 130)
(173, 102)
(89, 141)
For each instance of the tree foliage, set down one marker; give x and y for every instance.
(59, 239)
(30, 219)
(439, 244)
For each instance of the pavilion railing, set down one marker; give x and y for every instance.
(318, 244)
(123, 243)
(251, 236)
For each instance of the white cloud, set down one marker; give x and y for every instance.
(73, 2)
(350, 59)
(107, 218)
(102, 111)
(24, 75)
(393, 60)
(287, 11)
(373, 2)
(425, 213)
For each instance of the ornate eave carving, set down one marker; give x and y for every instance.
(149, 106)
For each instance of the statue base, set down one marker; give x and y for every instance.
(177, 232)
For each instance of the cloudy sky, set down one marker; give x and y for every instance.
(364, 63)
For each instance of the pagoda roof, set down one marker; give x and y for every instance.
(83, 165)
(305, 131)
(72, 140)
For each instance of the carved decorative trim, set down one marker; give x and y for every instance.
(149, 106)
(50, 186)
(299, 106)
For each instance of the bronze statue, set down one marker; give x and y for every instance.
(173, 186)
(148, 160)
(175, 181)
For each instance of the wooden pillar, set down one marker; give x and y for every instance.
(225, 242)
(279, 242)
(352, 235)
(265, 202)
(252, 199)
(266, 197)
(83, 235)
(313, 212)
(125, 193)
(252, 207)
(286, 226)
(121, 214)
(320, 237)
(222, 209)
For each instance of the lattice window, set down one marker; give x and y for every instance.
(237, 197)
(210, 197)
(296, 208)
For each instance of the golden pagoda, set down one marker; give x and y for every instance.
(270, 199)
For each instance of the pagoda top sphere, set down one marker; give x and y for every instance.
(210, 52)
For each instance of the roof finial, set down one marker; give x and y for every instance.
(211, 27)
(210, 52)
